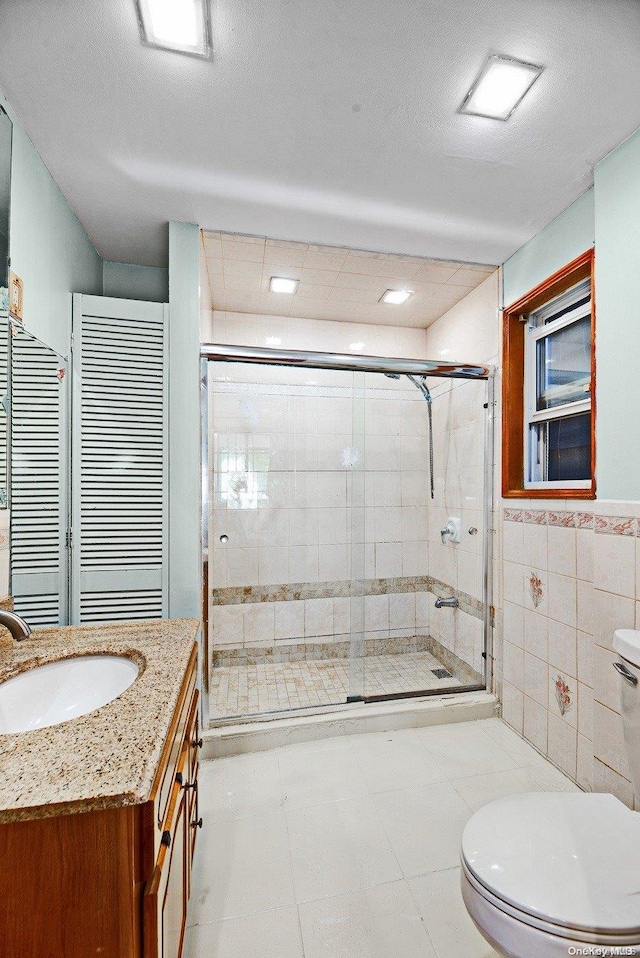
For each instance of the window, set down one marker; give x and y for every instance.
(548, 374)
(557, 384)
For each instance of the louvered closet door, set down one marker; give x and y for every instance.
(119, 568)
(38, 489)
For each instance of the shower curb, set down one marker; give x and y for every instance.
(258, 736)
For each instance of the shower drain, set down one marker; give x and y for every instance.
(442, 674)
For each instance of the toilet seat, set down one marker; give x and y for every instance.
(565, 864)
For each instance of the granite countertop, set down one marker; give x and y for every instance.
(110, 756)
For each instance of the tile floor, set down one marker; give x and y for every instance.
(277, 686)
(348, 848)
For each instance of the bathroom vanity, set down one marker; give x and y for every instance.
(99, 814)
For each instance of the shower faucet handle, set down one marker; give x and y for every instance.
(452, 530)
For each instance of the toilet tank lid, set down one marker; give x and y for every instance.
(626, 642)
(570, 859)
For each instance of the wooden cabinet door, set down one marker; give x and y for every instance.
(165, 905)
(174, 906)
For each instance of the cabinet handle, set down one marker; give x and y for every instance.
(197, 824)
(197, 743)
(191, 785)
(179, 778)
(166, 839)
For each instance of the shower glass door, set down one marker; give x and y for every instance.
(282, 459)
(410, 646)
(323, 551)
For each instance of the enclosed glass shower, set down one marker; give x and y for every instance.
(328, 483)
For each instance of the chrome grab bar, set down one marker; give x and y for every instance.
(625, 672)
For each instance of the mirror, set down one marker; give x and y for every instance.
(5, 202)
(5, 198)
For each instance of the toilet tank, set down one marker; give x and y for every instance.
(626, 643)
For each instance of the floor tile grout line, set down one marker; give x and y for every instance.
(417, 906)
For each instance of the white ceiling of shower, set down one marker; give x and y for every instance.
(335, 283)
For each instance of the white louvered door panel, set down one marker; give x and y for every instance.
(119, 460)
(38, 490)
(4, 396)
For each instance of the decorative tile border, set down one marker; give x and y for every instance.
(617, 525)
(583, 520)
(240, 595)
(547, 517)
(313, 651)
(609, 525)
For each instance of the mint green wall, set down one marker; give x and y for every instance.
(135, 282)
(53, 255)
(49, 249)
(608, 214)
(568, 235)
(185, 561)
(617, 188)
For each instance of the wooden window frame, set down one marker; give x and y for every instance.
(513, 400)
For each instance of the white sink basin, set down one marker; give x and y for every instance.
(58, 691)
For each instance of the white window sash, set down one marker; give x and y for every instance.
(535, 332)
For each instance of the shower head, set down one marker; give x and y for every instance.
(420, 382)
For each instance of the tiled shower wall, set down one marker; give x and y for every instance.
(459, 427)
(570, 578)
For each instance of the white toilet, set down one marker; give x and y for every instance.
(543, 873)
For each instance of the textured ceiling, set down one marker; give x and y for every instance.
(329, 122)
(334, 283)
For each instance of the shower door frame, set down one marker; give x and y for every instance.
(306, 359)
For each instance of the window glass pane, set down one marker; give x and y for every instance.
(565, 448)
(563, 361)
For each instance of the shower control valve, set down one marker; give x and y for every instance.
(452, 530)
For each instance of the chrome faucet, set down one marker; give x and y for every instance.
(449, 603)
(16, 626)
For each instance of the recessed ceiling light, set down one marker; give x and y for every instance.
(396, 296)
(179, 25)
(499, 87)
(356, 347)
(280, 284)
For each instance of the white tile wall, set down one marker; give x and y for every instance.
(293, 457)
(570, 635)
(327, 620)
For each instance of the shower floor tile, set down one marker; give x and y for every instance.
(280, 686)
